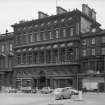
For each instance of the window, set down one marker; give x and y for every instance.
(2, 48)
(103, 51)
(57, 33)
(71, 31)
(42, 36)
(64, 32)
(18, 59)
(84, 42)
(103, 39)
(37, 36)
(30, 58)
(31, 38)
(93, 41)
(93, 51)
(50, 35)
(24, 58)
(35, 57)
(84, 52)
(10, 47)
(77, 28)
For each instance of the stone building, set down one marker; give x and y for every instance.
(48, 51)
(6, 59)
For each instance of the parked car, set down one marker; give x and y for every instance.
(73, 91)
(46, 90)
(61, 93)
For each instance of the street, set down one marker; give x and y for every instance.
(45, 99)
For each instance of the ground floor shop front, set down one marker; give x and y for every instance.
(54, 77)
(5, 79)
(93, 82)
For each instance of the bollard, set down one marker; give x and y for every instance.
(80, 95)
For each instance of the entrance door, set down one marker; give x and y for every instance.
(42, 82)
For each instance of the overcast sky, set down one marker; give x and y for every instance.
(12, 11)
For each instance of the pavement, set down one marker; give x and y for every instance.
(47, 99)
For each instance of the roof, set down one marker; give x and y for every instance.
(6, 36)
(71, 13)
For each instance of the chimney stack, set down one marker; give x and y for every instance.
(60, 10)
(42, 15)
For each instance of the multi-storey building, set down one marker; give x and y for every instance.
(48, 50)
(6, 59)
(93, 60)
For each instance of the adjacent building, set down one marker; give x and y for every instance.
(6, 59)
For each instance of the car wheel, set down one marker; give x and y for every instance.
(70, 96)
(61, 97)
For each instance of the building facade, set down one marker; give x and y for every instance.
(93, 60)
(6, 59)
(48, 51)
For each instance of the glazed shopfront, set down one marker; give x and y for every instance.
(52, 76)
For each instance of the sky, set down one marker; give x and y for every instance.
(13, 11)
